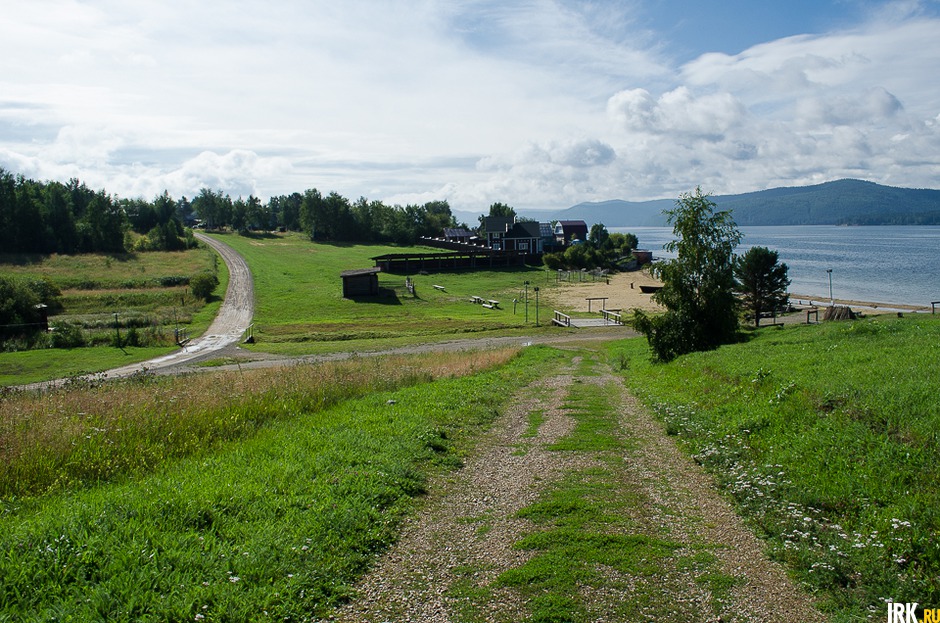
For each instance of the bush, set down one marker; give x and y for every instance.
(203, 284)
(67, 335)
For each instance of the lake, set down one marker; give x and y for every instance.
(878, 264)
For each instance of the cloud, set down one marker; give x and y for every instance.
(538, 103)
(676, 112)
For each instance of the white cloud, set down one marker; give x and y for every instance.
(556, 102)
(676, 112)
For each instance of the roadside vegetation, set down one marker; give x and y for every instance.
(826, 438)
(270, 505)
(128, 304)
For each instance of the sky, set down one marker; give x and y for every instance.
(537, 104)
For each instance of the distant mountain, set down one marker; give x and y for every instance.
(843, 202)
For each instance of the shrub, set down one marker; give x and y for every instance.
(67, 335)
(203, 284)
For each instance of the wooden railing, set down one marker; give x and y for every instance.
(612, 316)
(561, 319)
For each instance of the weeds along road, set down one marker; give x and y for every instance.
(230, 323)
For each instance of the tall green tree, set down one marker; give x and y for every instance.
(208, 205)
(698, 285)
(598, 235)
(762, 281)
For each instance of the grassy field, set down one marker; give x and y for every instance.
(147, 291)
(273, 515)
(301, 309)
(826, 436)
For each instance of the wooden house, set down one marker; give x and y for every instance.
(566, 231)
(495, 228)
(360, 282)
(524, 238)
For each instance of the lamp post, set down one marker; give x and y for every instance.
(831, 302)
(117, 330)
(536, 306)
(526, 283)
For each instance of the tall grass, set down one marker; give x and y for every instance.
(91, 432)
(275, 527)
(826, 436)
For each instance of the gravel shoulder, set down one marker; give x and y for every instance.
(450, 553)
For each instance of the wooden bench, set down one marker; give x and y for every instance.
(441, 288)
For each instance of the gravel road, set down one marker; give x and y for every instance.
(230, 323)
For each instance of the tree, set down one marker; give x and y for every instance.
(598, 235)
(698, 286)
(203, 284)
(208, 205)
(501, 209)
(762, 281)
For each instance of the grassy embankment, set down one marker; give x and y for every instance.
(241, 496)
(300, 305)
(148, 291)
(826, 437)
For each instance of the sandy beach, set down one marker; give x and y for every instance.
(622, 291)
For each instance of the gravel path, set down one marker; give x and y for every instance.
(465, 531)
(231, 322)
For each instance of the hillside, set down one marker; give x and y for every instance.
(843, 202)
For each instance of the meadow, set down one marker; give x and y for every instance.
(148, 292)
(270, 505)
(826, 438)
(300, 305)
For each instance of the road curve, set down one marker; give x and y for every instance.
(230, 323)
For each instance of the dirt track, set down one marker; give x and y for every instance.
(230, 323)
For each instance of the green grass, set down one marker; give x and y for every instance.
(33, 366)
(593, 556)
(826, 436)
(276, 526)
(93, 271)
(144, 289)
(301, 308)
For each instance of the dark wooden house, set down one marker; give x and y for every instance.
(360, 282)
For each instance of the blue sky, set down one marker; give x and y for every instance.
(537, 103)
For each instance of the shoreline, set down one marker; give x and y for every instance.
(802, 300)
(621, 292)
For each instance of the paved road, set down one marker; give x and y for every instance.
(230, 323)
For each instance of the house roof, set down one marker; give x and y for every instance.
(457, 232)
(545, 230)
(492, 224)
(525, 230)
(359, 272)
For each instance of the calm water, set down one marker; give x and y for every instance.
(879, 264)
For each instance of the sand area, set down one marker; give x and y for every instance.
(621, 289)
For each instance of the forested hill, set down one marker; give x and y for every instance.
(843, 202)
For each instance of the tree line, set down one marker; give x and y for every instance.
(52, 217)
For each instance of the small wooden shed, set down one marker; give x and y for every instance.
(360, 282)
